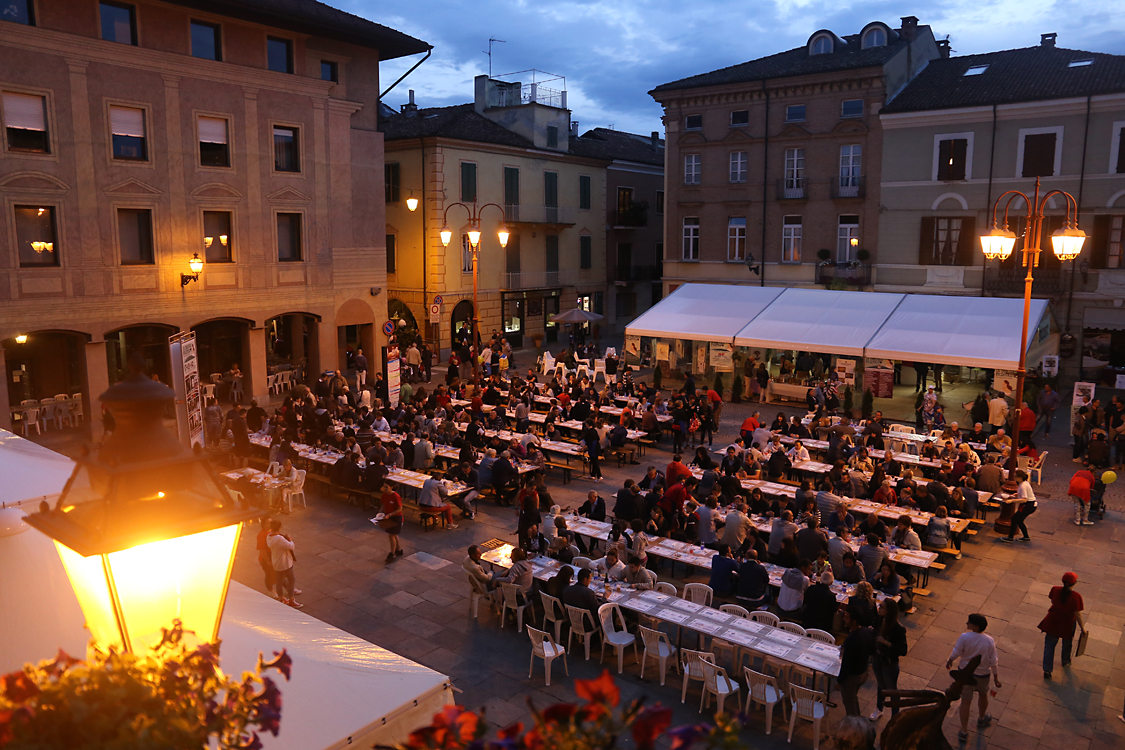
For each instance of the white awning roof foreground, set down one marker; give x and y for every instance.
(959, 331)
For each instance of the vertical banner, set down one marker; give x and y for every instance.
(394, 383)
(845, 372)
(1083, 395)
(662, 351)
(701, 359)
(881, 382)
(1005, 382)
(632, 350)
(185, 382)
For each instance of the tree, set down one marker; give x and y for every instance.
(868, 407)
(848, 401)
(719, 384)
(657, 377)
(736, 388)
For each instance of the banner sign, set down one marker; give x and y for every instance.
(394, 382)
(632, 349)
(1005, 381)
(701, 359)
(661, 352)
(722, 357)
(880, 381)
(185, 382)
(1050, 367)
(845, 371)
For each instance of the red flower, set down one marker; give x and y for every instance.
(559, 713)
(455, 723)
(62, 662)
(602, 691)
(281, 662)
(18, 687)
(420, 739)
(511, 731)
(650, 724)
(533, 740)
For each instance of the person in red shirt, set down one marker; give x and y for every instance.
(1060, 622)
(676, 471)
(392, 520)
(626, 416)
(749, 424)
(1080, 485)
(679, 493)
(1027, 423)
(265, 558)
(716, 403)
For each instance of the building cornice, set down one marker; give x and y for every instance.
(754, 91)
(412, 144)
(1014, 111)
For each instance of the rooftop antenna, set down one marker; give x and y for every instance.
(489, 53)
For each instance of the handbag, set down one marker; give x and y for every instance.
(694, 425)
(1083, 638)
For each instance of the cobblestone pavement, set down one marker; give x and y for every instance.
(418, 607)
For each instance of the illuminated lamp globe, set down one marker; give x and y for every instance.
(998, 243)
(1068, 242)
(474, 236)
(412, 203)
(196, 263)
(503, 234)
(446, 235)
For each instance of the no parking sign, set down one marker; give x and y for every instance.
(389, 327)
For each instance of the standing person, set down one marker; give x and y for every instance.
(1059, 624)
(265, 557)
(593, 449)
(890, 646)
(360, 370)
(997, 413)
(855, 654)
(283, 555)
(1047, 401)
(1080, 485)
(392, 520)
(1026, 496)
(1078, 430)
(921, 370)
(972, 643)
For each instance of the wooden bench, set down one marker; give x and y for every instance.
(624, 455)
(565, 468)
(644, 444)
(942, 552)
(429, 517)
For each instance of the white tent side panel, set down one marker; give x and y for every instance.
(704, 312)
(959, 331)
(819, 320)
(30, 471)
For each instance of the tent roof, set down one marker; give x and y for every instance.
(819, 320)
(30, 470)
(704, 312)
(961, 331)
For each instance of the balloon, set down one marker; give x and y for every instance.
(1109, 477)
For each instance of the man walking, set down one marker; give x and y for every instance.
(855, 656)
(1047, 401)
(360, 370)
(973, 642)
(283, 555)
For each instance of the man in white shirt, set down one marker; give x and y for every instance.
(798, 452)
(736, 528)
(997, 412)
(973, 642)
(282, 555)
(610, 566)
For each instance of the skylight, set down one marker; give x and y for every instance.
(976, 70)
(1079, 63)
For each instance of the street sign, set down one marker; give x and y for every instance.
(389, 327)
(438, 300)
(435, 313)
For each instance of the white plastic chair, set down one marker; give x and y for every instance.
(478, 591)
(699, 593)
(821, 635)
(273, 468)
(658, 647)
(611, 636)
(691, 662)
(792, 627)
(905, 428)
(216, 377)
(809, 705)
(553, 612)
(76, 412)
(582, 562)
(30, 402)
(61, 397)
(1036, 468)
(297, 490)
(763, 690)
(208, 392)
(236, 390)
(716, 683)
(47, 412)
(544, 646)
(936, 433)
(548, 363)
(667, 588)
(766, 618)
(578, 618)
(599, 366)
(720, 646)
(31, 419)
(271, 384)
(511, 596)
(62, 414)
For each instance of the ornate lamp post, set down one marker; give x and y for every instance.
(999, 243)
(474, 246)
(146, 531)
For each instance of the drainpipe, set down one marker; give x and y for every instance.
(988, 201)
(765, 184)
(1081, 186)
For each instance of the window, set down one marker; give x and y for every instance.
(692, 169)
(36, 237)
(791, 239)
(739, 117)
(25, 123)
(876, 37)
(738, 166)
(660, 250)
(206, 41)
(286, 154)
(288, 237)
(390, 182)
(624, 200)
(851, 158)
(795, 113)
(551, 195)
(392, 259)
(660, 202)
(693, 122)
(822, 45)
(512, 193)
(794, 171)
(976, 70)
(119, 23)
(467, 254)
(948, 241)
(1116, 242)
(218, 240)
(19, 11)
(214, 150)
(584, 189)
(468, 182)
(848, 231)
(134, 236)
(330, 71)
(1117, 149)
(1107, 245)
(852, 108)
(128, 126)
(1079, 63)
(1039, 153)
(279, 55)
(552, 253)
(691, 238)
(552, 136)
(736, 238)
(952, 159)
(585, 251)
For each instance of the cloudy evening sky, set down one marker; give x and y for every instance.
(613, 53)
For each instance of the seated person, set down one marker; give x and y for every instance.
(794, 582)
(886, 579)
(724, 572)
(753, 589)
(610, 566)
(820, 604)
(873, 525)
(850, 571)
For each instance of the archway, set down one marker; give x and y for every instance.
(291, 342)
(43, 364)
(461, 324)
(397, 310)
(150, 341)
(221, 344)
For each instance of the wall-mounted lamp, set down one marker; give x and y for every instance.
(196, 265)
(21, 338)
(43, 247)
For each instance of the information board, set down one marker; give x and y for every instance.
(185, 382)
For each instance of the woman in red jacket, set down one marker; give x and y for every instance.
(1080, 485)
(1060, 622)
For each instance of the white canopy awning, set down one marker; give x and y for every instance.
(704, 312)
(820, 320)
(30, 471)
(960, 331)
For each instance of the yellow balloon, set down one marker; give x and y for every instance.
(1109, 477)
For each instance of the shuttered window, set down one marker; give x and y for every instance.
(127, 126)
(468, 182)
(1039, 155)
(25, 120)
(286, 150)
(214, 151)
(952, 159)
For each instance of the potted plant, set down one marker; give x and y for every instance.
(537, 340)
(868, 407)
(719, 384)
(824, 254)
(863, 255)
(736, 388)
(848, 401)
(657, 376)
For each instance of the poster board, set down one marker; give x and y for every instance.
(662, 351)
(394, 380)
(185, 382)
(722, 357)
(880, 381)
(1005, 381)
(1050, 366)
(845, 371)
(700, 359)
(1119, 383)
(632, 349)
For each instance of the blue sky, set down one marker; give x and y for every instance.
(613, 53)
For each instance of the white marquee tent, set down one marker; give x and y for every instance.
(961, 331)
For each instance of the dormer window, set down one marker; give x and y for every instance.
(976, 70)
(822, 45)
(875, 37)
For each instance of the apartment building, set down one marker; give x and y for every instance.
(505, 159)
(969, 128)
(141, 135)
(772, 165)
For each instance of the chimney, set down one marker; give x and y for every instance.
(655, 138)
(574, 128)
(1047, 40)
(909, 27)
(943, 48)
(410, 106)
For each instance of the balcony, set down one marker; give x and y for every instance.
(636, 215)
(639, 273)
(539, 279)
(853, 274)
(1048, 281)
(792, 188)
(849, 187)
(518, 213)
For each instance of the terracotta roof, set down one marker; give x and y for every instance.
(460, 121)
(1014, 75)
(318, 19)
(601, 143)
(795, 62)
